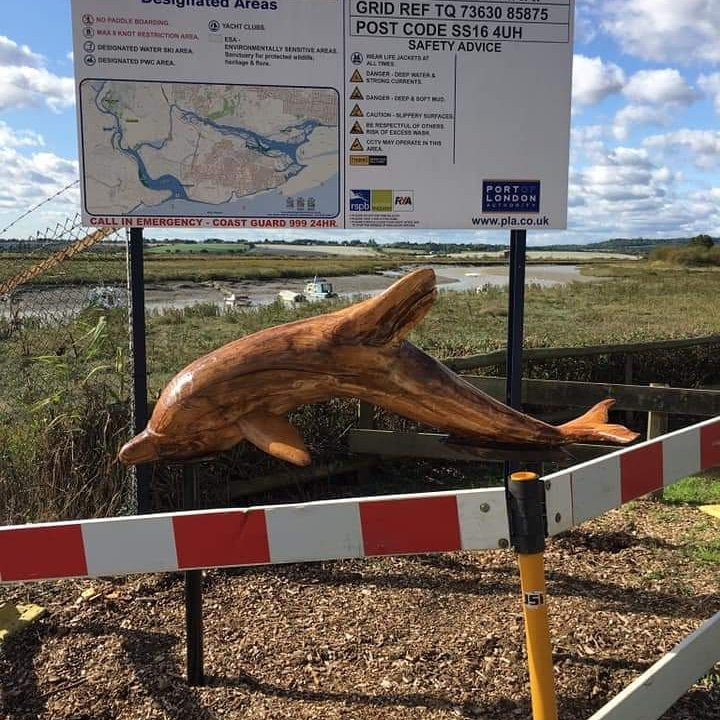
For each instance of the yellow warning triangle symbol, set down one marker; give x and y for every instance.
(356, 146)
(357, 129)
(357, 95)
(356, 77)
(357, 112)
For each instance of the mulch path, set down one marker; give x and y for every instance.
(414, 637)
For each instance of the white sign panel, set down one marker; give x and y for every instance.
(324, 113)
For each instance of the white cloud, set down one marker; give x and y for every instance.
(13, 54)
(662, 87)
(629, 192)
(703, 145)
(586, 142)
(710, 85)
(655, 97)
(30, 178)
(586, 26)
(22, 87)
(624, 173)
(26, 82)
(594, 80)
(19, 138)
(665, 29)
(631, 115)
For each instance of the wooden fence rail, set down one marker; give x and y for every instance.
(497, 357)
(640, 398)
(544, 393)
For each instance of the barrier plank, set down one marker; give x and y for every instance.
(323, 530)
(348, 528)
(651, 694)
(594, 487)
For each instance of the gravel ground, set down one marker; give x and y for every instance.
(413, 637)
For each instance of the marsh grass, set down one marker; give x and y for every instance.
(88, 268)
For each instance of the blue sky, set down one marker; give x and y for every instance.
(645, 148)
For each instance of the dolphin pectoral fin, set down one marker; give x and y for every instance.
(276, 436)
(390, 316)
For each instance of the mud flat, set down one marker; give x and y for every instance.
(458, 278)
(57, 300)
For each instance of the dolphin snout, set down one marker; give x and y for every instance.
(140, 449)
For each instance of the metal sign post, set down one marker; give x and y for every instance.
(516, 305)
(139, 359)
(193, 578)
(193, 591)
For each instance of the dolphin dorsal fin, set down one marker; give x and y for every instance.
(390, 316)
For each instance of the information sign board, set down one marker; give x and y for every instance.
(324, 113)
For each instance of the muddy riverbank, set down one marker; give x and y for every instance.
(59, 300)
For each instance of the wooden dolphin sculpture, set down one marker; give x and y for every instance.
(245, 389)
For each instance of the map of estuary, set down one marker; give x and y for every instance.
(156, 148)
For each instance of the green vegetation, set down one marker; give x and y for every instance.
(700, 251)
(640, 304)
(194, 267)
(194, 248)
(704, 489)
(63, 415)
(696, 490)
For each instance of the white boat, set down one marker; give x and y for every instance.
(290, 297)
(233, 300)
(318, 289)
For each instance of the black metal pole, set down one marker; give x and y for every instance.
(139, 359)
(193, 592)
(516, 307)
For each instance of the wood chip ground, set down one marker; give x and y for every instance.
(433, 637)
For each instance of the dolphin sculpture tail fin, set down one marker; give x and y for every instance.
(389, 317)
(593, 426)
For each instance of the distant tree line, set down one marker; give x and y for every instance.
(701, 250)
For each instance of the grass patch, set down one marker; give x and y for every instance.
(193, 248)
(696, 490)
(110, 267)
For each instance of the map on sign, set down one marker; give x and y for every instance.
(190, 149)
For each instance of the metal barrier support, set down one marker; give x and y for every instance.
(193, 591)
(528, 537)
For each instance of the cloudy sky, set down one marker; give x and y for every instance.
(645, 147)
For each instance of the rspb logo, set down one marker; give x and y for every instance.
(382, 201)
(359, 200)
(507, 196)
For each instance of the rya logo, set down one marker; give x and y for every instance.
(403, 200)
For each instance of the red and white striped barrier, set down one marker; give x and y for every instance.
(352, 528)
(590, 489)
(325, 530)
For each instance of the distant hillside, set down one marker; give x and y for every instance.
(636, 246)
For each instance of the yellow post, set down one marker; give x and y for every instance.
(529, 540)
